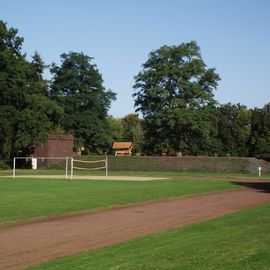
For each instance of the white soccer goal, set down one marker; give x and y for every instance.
(44, 162)
(89, 165)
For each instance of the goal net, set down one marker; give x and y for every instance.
(89, 165)
(59, 167)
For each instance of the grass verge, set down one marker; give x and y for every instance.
(240, 241)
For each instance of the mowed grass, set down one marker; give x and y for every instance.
(240, 241)
(28, 198)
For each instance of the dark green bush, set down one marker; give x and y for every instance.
(265, 156)
(3, 165)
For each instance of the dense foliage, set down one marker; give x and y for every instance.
(26, 113)
(172, 91)
(259, 141)
(130, 128)
(77, 87)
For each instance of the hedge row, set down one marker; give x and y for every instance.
(192, 164)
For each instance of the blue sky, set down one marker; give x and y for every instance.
(234, 37)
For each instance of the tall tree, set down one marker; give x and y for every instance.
(260, 132)
(77, 86)
(26, 114)
(133, 131)
(234, 129)
(170, 90)
(116, 126)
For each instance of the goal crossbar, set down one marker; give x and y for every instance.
(89, 162)
(89, 169)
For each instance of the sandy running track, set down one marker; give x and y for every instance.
(28, 244)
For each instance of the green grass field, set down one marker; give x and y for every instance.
(240, 241)
(29, 198)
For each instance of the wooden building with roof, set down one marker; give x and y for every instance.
(122, 148)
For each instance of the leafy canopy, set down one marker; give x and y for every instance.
(26, 113)
(77, 86)
(171, 91)
(260, 132)
(174, 78)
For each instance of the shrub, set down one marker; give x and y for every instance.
(3, 165)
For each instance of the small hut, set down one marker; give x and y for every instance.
(122, 148)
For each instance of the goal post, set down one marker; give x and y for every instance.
(39, 161)
(88, 165)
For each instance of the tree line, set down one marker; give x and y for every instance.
(174, 92)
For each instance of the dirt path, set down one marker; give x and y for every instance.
(28, 244)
